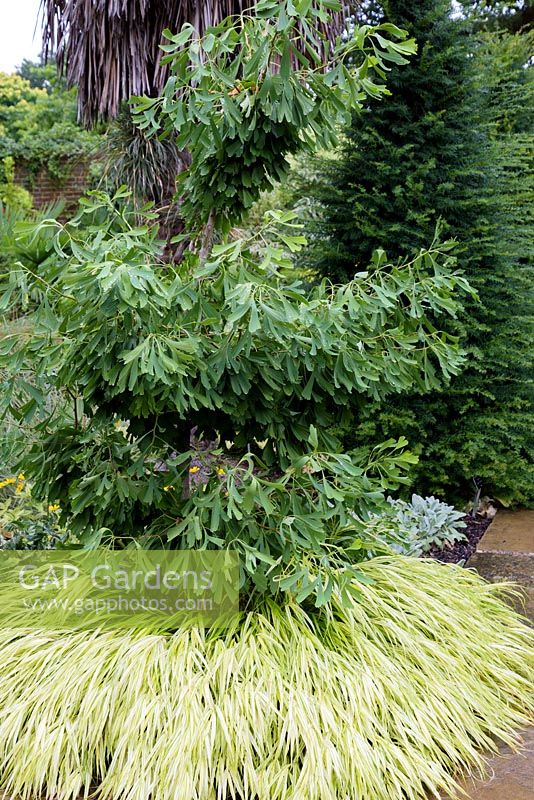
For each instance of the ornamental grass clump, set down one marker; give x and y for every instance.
(198, 407)
(386, 700)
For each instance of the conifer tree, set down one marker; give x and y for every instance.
(434, 154)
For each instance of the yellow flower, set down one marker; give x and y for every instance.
(168, 488)
(194, 470)
(53, 507)
(220, 471)
(20, 477)
(122, 426)
(20, 488)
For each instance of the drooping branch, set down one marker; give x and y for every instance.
(109, 49)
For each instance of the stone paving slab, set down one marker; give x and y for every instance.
(511, 775)
(506, 553)
(510, 532)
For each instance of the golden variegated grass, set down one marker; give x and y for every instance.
(387, 701)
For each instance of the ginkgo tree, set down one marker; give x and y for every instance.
(195, 405)
(199, 400)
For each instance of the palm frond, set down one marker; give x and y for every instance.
(110, 48)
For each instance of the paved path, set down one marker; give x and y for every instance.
(510, 532)
(512, 775)
(506, 552)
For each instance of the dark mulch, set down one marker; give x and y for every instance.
(462, 551)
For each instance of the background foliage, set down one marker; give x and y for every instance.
(26, 524)
(452, 145)
(38, 122)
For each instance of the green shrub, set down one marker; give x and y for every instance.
(119, 335)
(38, 125)
(17, 100)
(26, 524)
(11, 195)
(30, 252)
(201, 394)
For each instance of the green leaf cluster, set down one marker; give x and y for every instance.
(255, 89)
(27, 524)
(414, 528)
(38, 123)
(200, 396)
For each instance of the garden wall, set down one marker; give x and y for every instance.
(47, 189)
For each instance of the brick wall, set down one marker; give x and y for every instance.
(44, 189)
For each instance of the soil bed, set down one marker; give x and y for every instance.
(462, 551)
